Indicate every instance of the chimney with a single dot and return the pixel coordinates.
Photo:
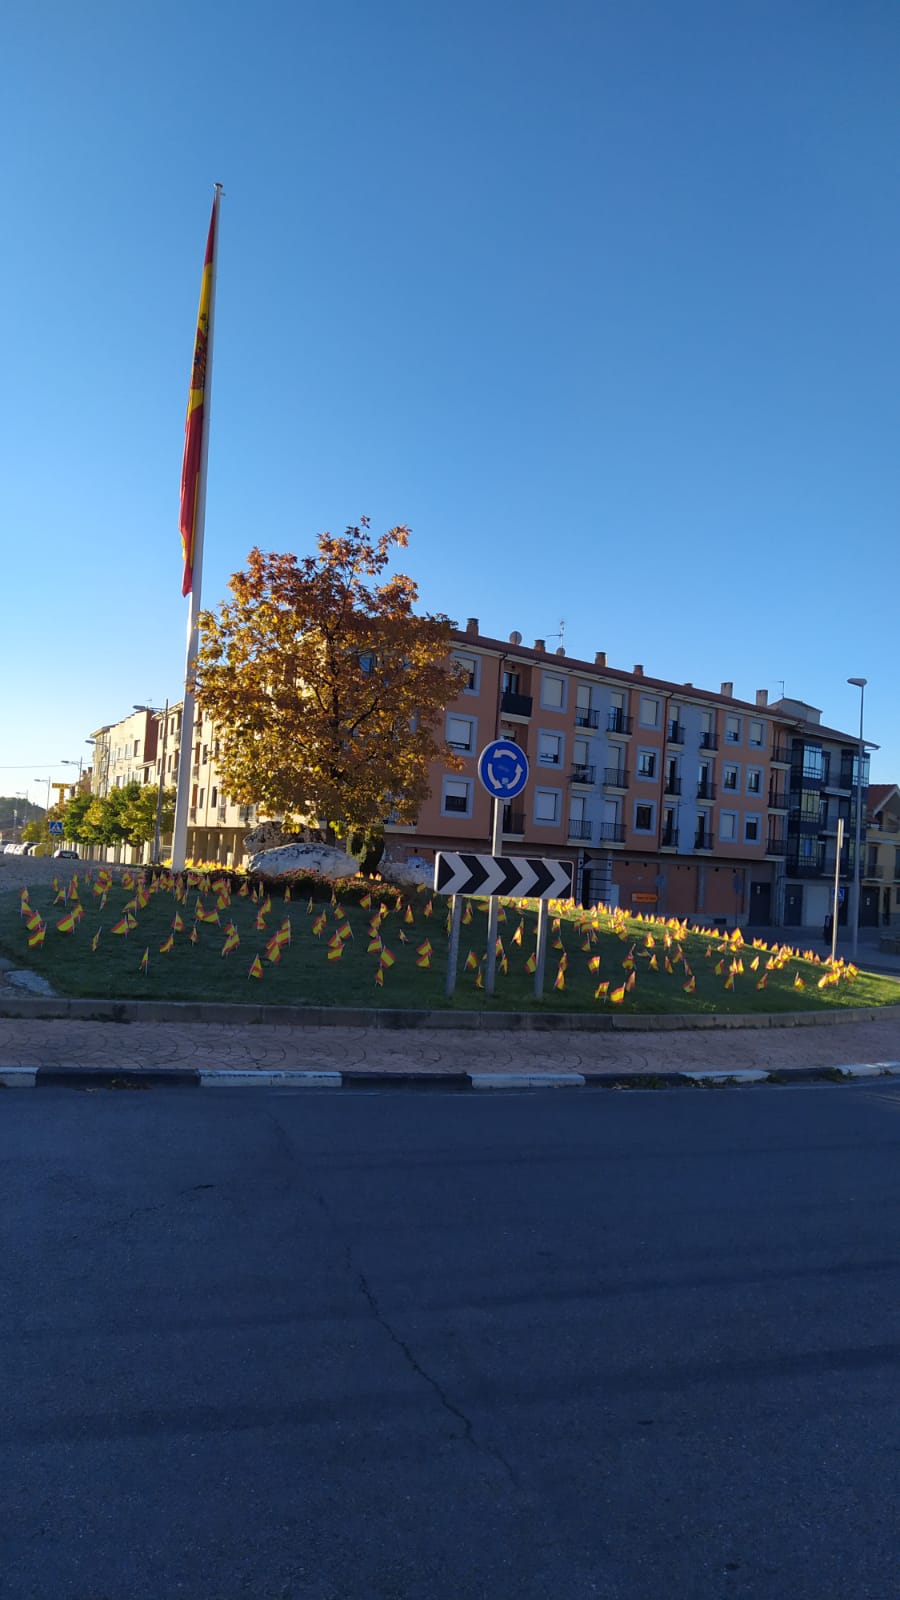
(762, 697)
(728, 691)
(600, 658)
(472, 626)
(638, 669)
(540, 644)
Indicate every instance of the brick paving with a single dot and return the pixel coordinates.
(30, 1043)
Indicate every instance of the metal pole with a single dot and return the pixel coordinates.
(494, 904)
(540, 954)
(857, 874)
(186, 749)
(159, 786)
(453, 943)
(835, 900)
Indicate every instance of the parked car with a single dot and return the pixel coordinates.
(65, 855)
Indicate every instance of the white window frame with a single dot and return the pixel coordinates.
(732, 818)
(648, 700)
(463, 659)
(553, 677)
(649, 805)
(554, 795)
(557, 738)
(646, 777)
(463, 748)
(466, 784)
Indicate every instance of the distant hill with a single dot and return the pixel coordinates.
(11, 804)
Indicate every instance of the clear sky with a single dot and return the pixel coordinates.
(601, 298)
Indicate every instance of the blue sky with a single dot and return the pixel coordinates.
(601, 299)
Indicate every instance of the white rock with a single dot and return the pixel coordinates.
(408, 874)
(299, 858)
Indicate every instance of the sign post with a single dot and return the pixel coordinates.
(503, 772)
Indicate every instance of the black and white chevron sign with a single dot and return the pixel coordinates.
(458, 872)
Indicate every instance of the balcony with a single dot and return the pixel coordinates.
(708, 741)
(579, 829)
(809, 866)
(873, 872)
(669, 840)
(675, 733)
(586, 718)
(582, 774)
(515, 705)
(673, 786)
(617, 722)
(776, 846)
(222, 813)
(781, 755)
(703, 839)
(513, 822)
(611, 833)
(778, 800)
(616, 777)
(706, 791)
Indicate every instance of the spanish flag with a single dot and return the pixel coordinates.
(197, 410)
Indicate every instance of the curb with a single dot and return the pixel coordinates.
(19, 1077)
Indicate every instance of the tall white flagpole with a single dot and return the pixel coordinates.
(186, 748)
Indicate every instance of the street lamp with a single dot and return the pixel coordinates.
(79, 764)
(860, 684)
(48, 782)
(154, 711)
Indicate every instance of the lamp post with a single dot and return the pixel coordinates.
(860, 684)
(79, 764)
(154, 711)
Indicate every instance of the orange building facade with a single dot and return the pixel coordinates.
(665, 797)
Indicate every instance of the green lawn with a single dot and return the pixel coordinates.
(304, 975)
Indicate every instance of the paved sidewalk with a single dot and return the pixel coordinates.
(162, 1046)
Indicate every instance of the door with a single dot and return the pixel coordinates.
(760, 912)
(868, 907)
(793, 905)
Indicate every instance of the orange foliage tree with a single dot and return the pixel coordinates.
(325, 686)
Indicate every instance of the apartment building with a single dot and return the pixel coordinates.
(666, 797)
(124, 752)
(881, 863)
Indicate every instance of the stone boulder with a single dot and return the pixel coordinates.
(416, 874)
(293, 860)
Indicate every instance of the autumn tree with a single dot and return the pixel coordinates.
(325, 686)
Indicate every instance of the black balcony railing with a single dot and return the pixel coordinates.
(873, 872)
(778, 800)
(615, 777)
(708, 741)
(579, 829)
(706, 791)
(586, 718)
(809, 866)
(513, 821)
(703, 839)
(780, 753)
(581, 773)
(669, 837)
(776, 846)
(617, 722)
(612, 832)
(516, 705)
(673, 785)
(675, 733)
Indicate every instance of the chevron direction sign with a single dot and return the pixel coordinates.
(458, 872)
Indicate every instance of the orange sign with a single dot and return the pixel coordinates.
(645, 899)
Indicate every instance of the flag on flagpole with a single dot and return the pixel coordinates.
(193, 426)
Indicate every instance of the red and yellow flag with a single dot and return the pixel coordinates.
(193, 426)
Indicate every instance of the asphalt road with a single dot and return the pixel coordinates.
(401, 1346)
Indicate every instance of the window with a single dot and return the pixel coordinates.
(730, 777)
(732, 730)
(553, 691)
(751, 829)
(137, 745)
(550, 749)
(213, 795)
(461, 734)
(727, 826)
(510, 682)
(896, 862)
(456, 798)
(646, 764)
(204, 757)
(754, 780)
(580, 757)
(577, 805)
(649, 712)
(202, 798)
(546, 805)
(469, 665)
(756, 733)
(644, 818)
(583, 696)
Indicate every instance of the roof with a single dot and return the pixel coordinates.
(879, 794)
